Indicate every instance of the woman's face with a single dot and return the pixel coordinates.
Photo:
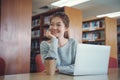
(57, 27)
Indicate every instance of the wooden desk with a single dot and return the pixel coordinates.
(113, 74)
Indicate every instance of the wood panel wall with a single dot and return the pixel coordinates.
(111, 35)
(15, 35)
(0, 14)
(75, 16)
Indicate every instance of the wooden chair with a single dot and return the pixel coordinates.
(39, 65)
(2, 67)
(113, 63)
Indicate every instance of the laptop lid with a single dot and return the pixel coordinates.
(91, 59)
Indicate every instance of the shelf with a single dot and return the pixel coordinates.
(97, 40)
(118, 43)
(118, 51)
(92, 19)
(36, 39)
(45, 38)
(118, 25)
(118, 33)
(93, 30)
(46, 25)
(36, 28)
(35, 50)
(36, 16)
(107, 28)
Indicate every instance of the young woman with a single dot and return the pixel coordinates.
(59, 47)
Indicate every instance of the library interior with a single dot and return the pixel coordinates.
(24, 25)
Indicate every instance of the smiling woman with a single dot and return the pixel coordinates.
(59, 47)
(57, 27)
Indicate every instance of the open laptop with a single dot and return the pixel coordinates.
(90, 59)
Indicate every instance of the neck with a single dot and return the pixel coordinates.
(62, 41)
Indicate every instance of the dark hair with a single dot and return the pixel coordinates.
(63, 16)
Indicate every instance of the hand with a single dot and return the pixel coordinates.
(49, 35)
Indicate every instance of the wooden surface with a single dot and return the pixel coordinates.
(15, 35)
(0, 15)
(75, 16)
(111, 35)
(112, 75)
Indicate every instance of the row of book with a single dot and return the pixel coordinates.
(93, 25)
(35, 33)
(35, 44)
(44, 31)
(92, 36)
(47, 20)
(35, 23)
(96, 43)
(32, 62)
(118, 29)
(118, 39)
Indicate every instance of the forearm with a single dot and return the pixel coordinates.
(49, 50)
(68, 68)
(53, 48)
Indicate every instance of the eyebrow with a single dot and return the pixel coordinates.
(56, 22)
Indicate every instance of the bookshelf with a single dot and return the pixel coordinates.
(35, 38)
(118, 38)
(101, 31)
(40, 24)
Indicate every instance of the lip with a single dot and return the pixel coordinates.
(54, 31)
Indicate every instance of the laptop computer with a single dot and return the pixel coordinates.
(90, 59)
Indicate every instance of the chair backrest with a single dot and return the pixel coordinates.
(39, 65)
(113, 63)
(2, 67)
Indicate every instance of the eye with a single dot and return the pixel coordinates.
(58, 24)
(51, 24)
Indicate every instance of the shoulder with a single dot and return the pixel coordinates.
(72, 42)
(44, 44)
